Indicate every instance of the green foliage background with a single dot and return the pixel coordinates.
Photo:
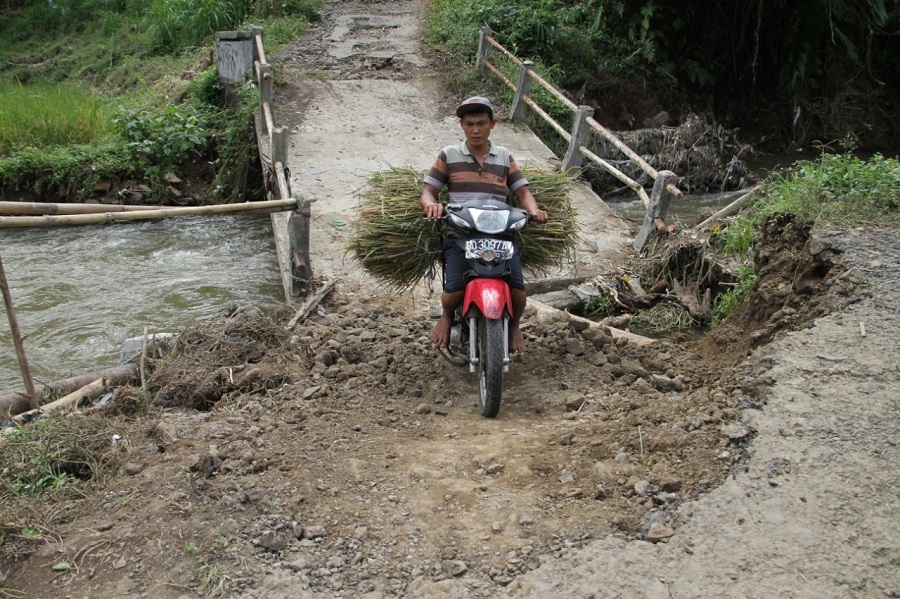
(817, 69)
(96, 90)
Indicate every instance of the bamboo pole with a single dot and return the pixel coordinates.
(12, 403)
(17, 339)
(52, 208)
(110, 217)
(89, 392)
(728, 210)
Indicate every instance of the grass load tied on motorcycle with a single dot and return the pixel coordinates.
(398, 247)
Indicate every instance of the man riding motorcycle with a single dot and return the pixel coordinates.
(476, 169)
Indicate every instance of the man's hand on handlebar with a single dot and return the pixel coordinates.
(538, 216)
(434, 211)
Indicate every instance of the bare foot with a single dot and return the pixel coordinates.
(441, 332)
(516, 340)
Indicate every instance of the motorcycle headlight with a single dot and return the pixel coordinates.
(518, 225)
(459, 222)
(490, 221)
(488, 255)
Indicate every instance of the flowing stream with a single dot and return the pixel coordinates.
(683, 212)
(79, 292)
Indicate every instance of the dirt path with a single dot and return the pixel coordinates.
(362, 95)
(345, 459)
(815, 509)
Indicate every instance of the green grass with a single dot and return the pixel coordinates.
(835, 189)
(728, 302)
(45, 115)
(145, 98)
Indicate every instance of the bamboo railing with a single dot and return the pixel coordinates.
(664, 189)
(291, 229)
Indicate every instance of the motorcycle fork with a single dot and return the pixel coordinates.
(473, 343)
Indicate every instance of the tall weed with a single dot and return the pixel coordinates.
(737, 238)
(177, 24)
(309, 10)
(728, 302)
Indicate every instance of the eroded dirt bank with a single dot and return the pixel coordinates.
(345, 459)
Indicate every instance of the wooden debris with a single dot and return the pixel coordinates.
(638, 340)
(310, 304)
(87, 393)
(16, 402)
(688, 295)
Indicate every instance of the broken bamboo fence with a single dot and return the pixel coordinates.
(664, 189)
(239, 53)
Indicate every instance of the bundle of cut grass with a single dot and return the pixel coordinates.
(397, 246)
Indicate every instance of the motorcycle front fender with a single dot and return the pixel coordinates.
(491, 296)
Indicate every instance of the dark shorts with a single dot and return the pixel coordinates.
(456, 265)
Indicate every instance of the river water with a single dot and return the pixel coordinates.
(79, 292)
(683, 212)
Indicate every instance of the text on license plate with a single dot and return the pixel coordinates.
(503, 249)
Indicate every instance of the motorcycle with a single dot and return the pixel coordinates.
(479, 335)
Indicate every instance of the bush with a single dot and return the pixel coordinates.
(736, 239)
(580, 40)
(160, 142)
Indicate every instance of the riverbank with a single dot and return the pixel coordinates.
(344, 458)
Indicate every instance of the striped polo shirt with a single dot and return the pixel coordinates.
(465, 179)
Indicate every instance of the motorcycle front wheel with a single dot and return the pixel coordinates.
(490, 365)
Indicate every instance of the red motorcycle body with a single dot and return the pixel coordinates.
(492, 297)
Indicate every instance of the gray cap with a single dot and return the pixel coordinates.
(475, 104)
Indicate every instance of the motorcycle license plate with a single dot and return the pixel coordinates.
(503, 249)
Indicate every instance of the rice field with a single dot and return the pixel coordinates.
(46, 115)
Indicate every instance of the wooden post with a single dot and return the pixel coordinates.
(266, 92)
(484, 47)
(301, 263)
(660, 199)
(580, 132)
(280, 139)
(257, 32)
(17, 340)
(523, 89)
